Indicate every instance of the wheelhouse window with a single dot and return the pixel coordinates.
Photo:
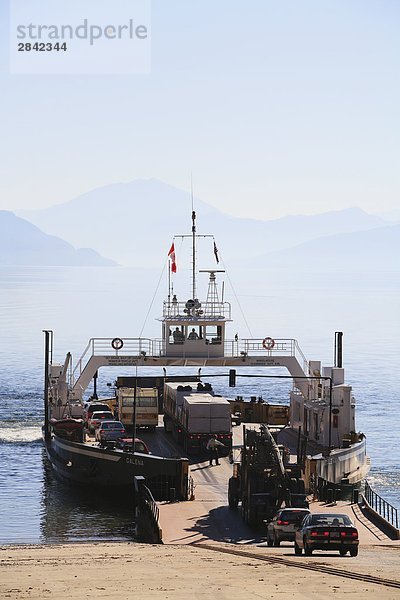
(176, 335)
(213, 334)
(194, 333)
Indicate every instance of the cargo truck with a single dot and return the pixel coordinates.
(146, 407)
(193, 413)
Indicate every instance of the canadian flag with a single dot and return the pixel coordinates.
(171, 256)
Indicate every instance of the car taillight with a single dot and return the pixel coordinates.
(352, 534)
(317, 533)
(279, 522)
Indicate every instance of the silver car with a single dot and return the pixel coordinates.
(283, 526)
(110, 431)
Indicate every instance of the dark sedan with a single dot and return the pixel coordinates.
(325, 531)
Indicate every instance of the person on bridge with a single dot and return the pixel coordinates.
(212, 447)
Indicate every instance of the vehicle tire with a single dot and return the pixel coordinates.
(233, 499)
(277, 541)
(354, 551)
(249, 515)
(301, 488)
(233, 502)
(343, 551)
(244, 510)
(297, 550)
(307, 549)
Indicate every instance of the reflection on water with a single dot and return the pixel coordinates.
(36, 507)
(69, 513)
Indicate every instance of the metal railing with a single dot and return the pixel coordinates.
(383, 508)
(103, 347)
(157, 347)
(148, 500)
(207, 310)
(281, 347)
(146, 512)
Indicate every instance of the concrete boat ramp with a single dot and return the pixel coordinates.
(208, 519)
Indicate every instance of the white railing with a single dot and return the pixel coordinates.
(103, 347)
(255, 347)
(156, 347)
(207, 310)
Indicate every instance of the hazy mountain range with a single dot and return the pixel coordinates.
(22, 243)
(376, 249)
(134, 223)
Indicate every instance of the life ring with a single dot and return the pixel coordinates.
(117, 343)
(268, 343)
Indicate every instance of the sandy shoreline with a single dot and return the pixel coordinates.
(123, 570)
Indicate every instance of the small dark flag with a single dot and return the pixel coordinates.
(216, 252)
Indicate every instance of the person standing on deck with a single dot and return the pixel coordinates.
(212, 447)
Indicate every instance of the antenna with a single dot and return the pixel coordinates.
(193, 240)
(194, 255)
(191, 190)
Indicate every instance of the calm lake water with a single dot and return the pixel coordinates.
(80, 303)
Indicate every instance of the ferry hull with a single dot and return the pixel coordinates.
(344, 466)
(92, 466)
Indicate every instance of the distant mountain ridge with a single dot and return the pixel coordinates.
(377, 249)
(390, 215)
(22, 243)
(134, 223)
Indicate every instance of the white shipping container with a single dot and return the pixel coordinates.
(220, 425)
(198, 425)
(221, 409)
(197, 407)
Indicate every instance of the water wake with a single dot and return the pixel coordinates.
(22, 434)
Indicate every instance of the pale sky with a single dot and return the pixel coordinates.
(276, 107)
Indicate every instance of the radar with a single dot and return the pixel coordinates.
(190, 304)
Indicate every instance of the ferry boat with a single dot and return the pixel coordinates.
(194, 335)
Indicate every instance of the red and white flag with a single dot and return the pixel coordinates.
(171, 256)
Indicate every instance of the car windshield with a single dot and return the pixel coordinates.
(330, 520)
(293, 516)
(98, 407)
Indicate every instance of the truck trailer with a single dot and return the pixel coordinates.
(193, 413)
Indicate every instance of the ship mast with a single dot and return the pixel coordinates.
(194, 254)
